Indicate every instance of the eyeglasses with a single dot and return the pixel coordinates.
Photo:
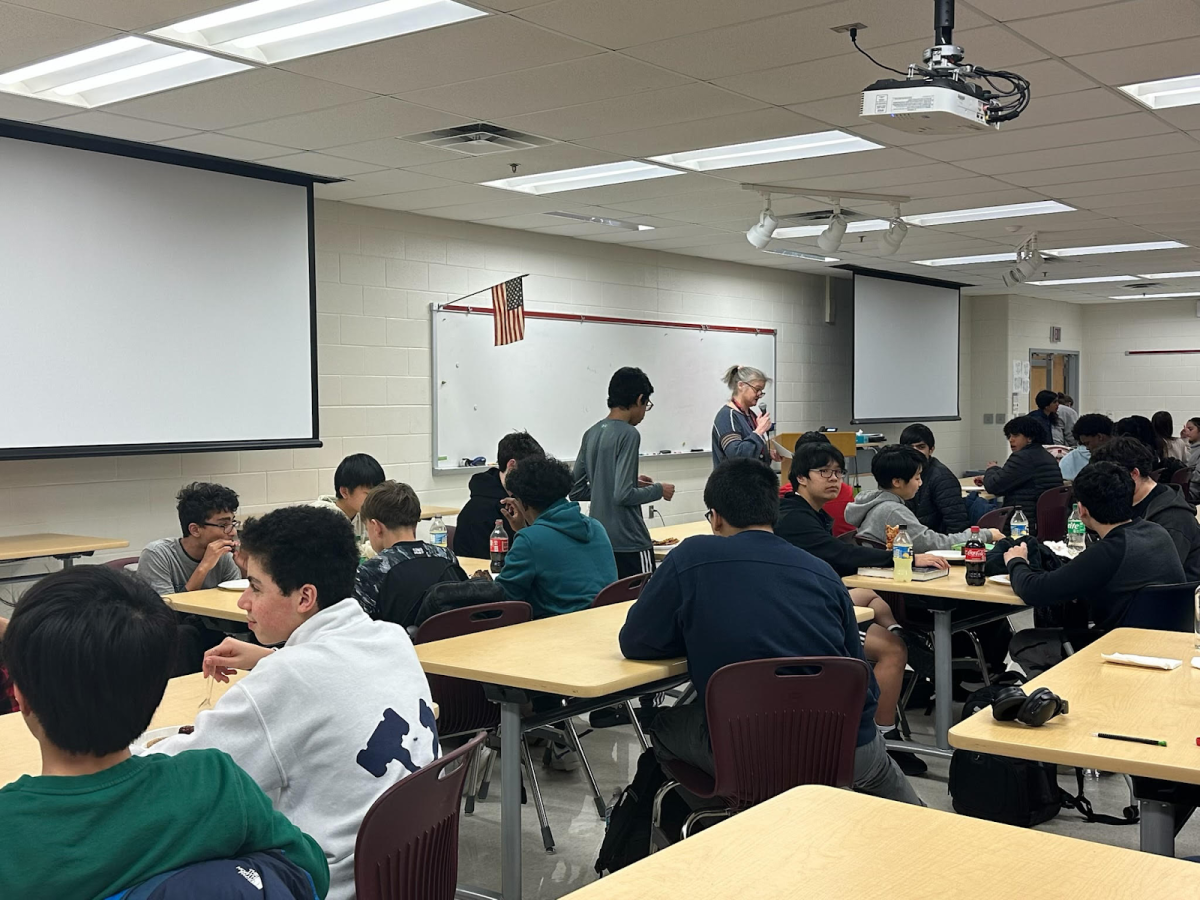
(829, 474)
(649, 405)
(758, 390)
(227, 527)
(708, 516)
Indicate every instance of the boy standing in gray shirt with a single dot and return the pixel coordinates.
(606, 473)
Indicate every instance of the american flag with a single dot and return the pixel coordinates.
(508, 305)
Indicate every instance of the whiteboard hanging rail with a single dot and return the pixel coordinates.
(577, 317)
(1157, 352)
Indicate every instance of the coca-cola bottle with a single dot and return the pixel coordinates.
(498, 546)
(976, 557)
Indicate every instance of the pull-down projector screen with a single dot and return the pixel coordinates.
(905, 350)
(151, 300)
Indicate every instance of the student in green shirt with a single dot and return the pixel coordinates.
(89, 650)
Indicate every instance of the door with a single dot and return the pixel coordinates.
(1053, 371)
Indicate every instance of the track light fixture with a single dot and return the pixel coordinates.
(831, 238)
(759, 234)
(890, 240)
(1029, 261)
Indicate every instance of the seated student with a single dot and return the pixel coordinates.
(203, 557)
(1028, 473)
(897, 471)
(816, 473)
(1162, 504)
(939, 503)
(352, 481)
(1191, 440)
(1172, 445)
(698, 605)
(560, 559)
(1091, 431)
(477, 519)
(1068, 415)
(336, 715)
(390, 585)
(90, 650)
(1131, 554)
(835, 508)
(1047, 416)
(1141, 428)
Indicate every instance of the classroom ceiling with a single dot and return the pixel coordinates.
(609, 80)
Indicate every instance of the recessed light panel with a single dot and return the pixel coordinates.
(1159, 275)
(811, 230)
(756, 153)
(812, 257)
(601, 220)
(271, 31)
(1062, 252)
(1168, 92)
(1099, 279)
(1155, 296)
(985, 213)
(585, 177)
(116, 70)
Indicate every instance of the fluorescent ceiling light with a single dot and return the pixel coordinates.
(585, 177)
(601, 220)
(852, 227)
(796, 254)
(1064, 251)
(1172, 275)
(117, 70)
(1166, 93)
(755, 153)
(1099, 279)
(1155, 296)
(984, 213)
(271, 31)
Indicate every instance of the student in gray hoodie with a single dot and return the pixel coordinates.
(897, 471)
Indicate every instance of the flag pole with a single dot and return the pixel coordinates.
(450, 305)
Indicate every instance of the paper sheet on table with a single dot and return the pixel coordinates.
(1145, 662)
(781, 450)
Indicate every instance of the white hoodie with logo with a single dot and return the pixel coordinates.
(327, 724)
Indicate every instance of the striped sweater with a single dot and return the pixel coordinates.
(733, 436)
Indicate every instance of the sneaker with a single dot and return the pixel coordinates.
(909, 763)
(609, 718)
(563, 758)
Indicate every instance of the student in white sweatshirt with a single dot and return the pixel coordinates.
(336, 715)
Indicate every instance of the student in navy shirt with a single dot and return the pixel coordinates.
(745, 594)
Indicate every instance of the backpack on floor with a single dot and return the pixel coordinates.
(627, 836)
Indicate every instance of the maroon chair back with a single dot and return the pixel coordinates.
(121, 564)
(1055, 506)
(776, 724)
(1157, 475)
(463, 706)
(621, 590)
(450, 529)
(997, 518)
(1182, 477)
(407, 847)
(848, 536)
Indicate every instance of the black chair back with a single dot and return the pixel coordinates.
(1163, 607)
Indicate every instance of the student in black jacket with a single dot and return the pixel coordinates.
(1131, 554)
(1162, 504)
(939, 503)
(1028, 473)
(478, 517)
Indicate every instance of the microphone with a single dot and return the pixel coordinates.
(762, 408)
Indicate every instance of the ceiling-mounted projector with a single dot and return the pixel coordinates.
(943, 96)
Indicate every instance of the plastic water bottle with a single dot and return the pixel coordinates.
(438, 533)
(976, 557)
(1019, 526)
(902, 556)
(1076, 530)
(498, 547)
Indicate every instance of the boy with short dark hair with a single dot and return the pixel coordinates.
(90, 650)
(1091, 431)
(477, 519)
(606, 473)
(939, 503)
(339, 713)
(352, 481)
(390, 585)
(698, 605)
(1028, 472)
(203, 557)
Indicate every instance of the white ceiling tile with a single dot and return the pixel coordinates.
(1128, 24)
(1096, 103)
(239, 99)
(636, 190)
(223, 145)
(758, 125)
(96, 122)
(377, 184)
(624, 23)
(27, 35)
(568, 83)
(1169, 59)
(1185, 117)
(1083, 192)
(1034, 160)
(460, 52)
(1052, 179)
(682, 104)
(321, 164)
(393, 153)
(455, 195)
(507, 5)
(481, 212)
(494, 166)
(1071, 134)
(365, 120)
(805, 170)
(126, 15)
(1009, 10)
(26, 109)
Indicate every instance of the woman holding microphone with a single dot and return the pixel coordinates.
(740, 429)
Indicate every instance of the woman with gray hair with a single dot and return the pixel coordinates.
(740, 429)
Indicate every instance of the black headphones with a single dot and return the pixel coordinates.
(1011, 704)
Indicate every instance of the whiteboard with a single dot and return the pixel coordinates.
(554, 384)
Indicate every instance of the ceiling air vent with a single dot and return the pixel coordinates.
(1143, 285)
(478, 139)
(822, 216)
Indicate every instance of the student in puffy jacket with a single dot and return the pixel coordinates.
(939, 503)
(1028, 473)
(740, 430)
(477, 519)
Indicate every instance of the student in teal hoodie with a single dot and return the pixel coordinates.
(560, 559)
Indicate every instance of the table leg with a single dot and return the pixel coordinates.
(68, 561)
(943, 676)
(510, 800)
(1157, 827)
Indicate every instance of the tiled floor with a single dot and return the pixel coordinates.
(613, 752)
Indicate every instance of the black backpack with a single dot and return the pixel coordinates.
(627, 835)
(1014, 791)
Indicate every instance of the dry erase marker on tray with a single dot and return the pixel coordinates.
(1133, 740)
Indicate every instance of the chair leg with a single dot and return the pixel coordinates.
(699, 816)
(472, 779)
(637, 726)
(983, 666)
(538, 804)
(656, 813)
(487, 776)
(573, 737)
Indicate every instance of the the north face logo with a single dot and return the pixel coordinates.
(251, 876)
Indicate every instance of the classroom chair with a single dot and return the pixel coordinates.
(850, 537)
(1181, 478)
(621, 591)
(775, 724)
(997, 518)
(1053, 510)
(1157, 475)
(123, 563)
(407, 847)
(1163, 607)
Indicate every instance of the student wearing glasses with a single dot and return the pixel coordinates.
(740, 430)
